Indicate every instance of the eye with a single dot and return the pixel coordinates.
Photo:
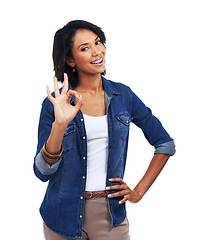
(84, 49)
(98, 42)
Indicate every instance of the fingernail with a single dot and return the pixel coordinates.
(107, 188)
(110, 179)
(120, 202)
(109, 195)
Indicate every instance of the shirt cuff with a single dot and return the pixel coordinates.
(44, 167)
(166, 148)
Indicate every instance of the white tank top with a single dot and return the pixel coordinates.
(97, 152)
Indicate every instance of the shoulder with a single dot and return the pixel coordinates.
(117, 86)
(124, 91)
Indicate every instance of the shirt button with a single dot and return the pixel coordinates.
(84, 158)
(84, 137)
(81, 197)
(80, 216)
(82, 119)
(83, 177)
(127, 121)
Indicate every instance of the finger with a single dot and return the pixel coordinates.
(72, 92)
(117, 194)
(79, 103)
(78, 98)
(123, 200)
(119, 187)
(65, 87)
(56, 88)
(49, 94)
(117, 180)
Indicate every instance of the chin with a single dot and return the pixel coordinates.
(101, 70)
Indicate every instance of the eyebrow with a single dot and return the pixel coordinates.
(88, 43)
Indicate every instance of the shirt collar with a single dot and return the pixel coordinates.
(109, 87)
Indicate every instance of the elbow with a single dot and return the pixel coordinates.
(39, 175)
(167, 148)
(43, 170)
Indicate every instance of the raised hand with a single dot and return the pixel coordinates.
(64, 111)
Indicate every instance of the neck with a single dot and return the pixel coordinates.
(91, 83)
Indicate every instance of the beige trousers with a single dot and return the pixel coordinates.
(96, 223)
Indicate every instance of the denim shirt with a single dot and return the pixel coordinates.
(63, 206)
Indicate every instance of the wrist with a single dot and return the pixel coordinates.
(139, 192)
(54, 142)
(51, 158)
(59, 127)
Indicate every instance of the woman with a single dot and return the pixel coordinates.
(83, 140)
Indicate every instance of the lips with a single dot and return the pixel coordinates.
(98, 61)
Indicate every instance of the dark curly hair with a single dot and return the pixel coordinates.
(62, 48)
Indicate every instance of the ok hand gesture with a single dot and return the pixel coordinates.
(64, 111)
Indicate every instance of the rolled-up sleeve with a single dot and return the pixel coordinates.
(166, 148)
(43, 167)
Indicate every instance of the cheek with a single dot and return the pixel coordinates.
(82, 59)
(102, 49)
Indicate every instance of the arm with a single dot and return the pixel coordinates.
(158, 137)
(64, 113)
(156, 165)
(54, 120)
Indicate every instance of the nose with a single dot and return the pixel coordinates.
(95, 51)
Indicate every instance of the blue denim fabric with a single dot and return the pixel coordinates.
(63, 204)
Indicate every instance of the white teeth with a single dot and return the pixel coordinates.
(98, 61)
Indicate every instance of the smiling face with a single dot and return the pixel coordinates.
(88, 53)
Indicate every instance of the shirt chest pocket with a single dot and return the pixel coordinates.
(123, 121)
(69, 137)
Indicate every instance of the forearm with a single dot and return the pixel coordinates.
(48, 159)
(156, 165)
(54, 142)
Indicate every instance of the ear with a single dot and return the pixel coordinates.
(70, 62)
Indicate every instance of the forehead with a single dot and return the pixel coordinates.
(84, 36)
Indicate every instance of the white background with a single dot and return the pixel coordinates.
(151, 46)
